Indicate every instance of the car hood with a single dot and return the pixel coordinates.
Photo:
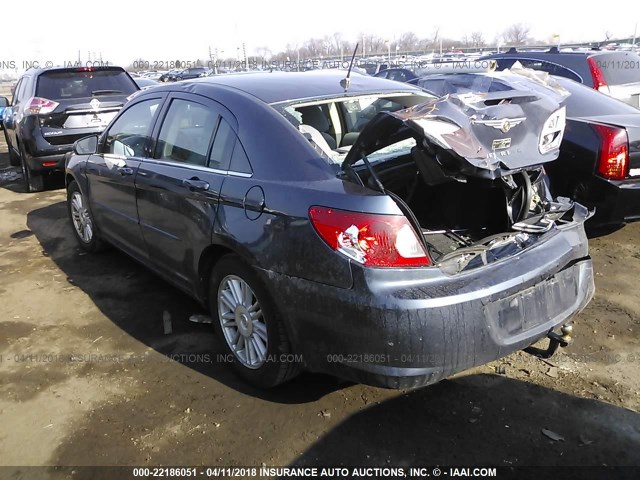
(496, 128)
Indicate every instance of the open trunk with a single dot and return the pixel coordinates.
(467, 170)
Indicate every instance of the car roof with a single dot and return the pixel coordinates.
(277, 87)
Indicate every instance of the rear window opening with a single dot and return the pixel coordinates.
(72, 84)
(333, 127)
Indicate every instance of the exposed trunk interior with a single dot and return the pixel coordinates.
(456, 212)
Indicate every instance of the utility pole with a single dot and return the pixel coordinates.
(244, 55)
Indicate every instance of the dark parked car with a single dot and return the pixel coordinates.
(4, 103)
(167, 76)
(599, 162)
(614, 73)
(54, 107)
(145, 83)
(376, 232)
(397, 74)
(187, 74)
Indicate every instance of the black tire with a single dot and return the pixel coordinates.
(33, 182)
(280, 364)
(14, 158)
(94, 243)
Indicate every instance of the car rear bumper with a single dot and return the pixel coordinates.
(615, 201)
(412, 327)
(44, 156)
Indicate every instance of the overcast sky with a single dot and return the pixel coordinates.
(123, 30)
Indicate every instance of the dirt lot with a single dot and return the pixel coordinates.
(89, 377)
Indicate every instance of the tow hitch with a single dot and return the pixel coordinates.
(555, 341)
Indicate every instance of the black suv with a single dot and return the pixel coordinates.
(614, 73)
(53, 107)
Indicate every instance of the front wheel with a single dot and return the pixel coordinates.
(246, 320)
(82, 221)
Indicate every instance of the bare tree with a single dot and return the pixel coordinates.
(314, 47)
(337, 42)
(263, 52)
(477, 40)
(516, 34)
(408, 42)
(435, 37)
(374, 44)
(607, 36)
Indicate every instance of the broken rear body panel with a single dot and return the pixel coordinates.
(402, 328)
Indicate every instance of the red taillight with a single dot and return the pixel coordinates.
(39, 106)
(613, 161)
(49, 164)
(599, 83)
(370, 239)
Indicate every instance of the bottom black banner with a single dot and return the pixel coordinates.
(333, 472)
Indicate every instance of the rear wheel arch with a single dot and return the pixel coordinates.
(68, 178)
(208, 259)
(211, 255)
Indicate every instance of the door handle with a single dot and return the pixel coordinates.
(195, 184)
(125, 171)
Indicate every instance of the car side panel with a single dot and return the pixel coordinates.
(176, 221)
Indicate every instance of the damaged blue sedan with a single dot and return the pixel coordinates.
(353, 226)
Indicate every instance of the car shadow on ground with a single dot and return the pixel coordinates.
(138, 301)
(469, 420)
(483, 420)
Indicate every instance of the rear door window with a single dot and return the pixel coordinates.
(222, 146)
(186, 133)
(70, 84)
(240, 161)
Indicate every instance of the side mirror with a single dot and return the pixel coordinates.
(4, 102)
(86, 146)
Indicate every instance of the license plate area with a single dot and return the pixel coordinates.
(88, 120)
(535, 305)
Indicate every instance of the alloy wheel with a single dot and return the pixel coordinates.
(81, 218)
(242, 321)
